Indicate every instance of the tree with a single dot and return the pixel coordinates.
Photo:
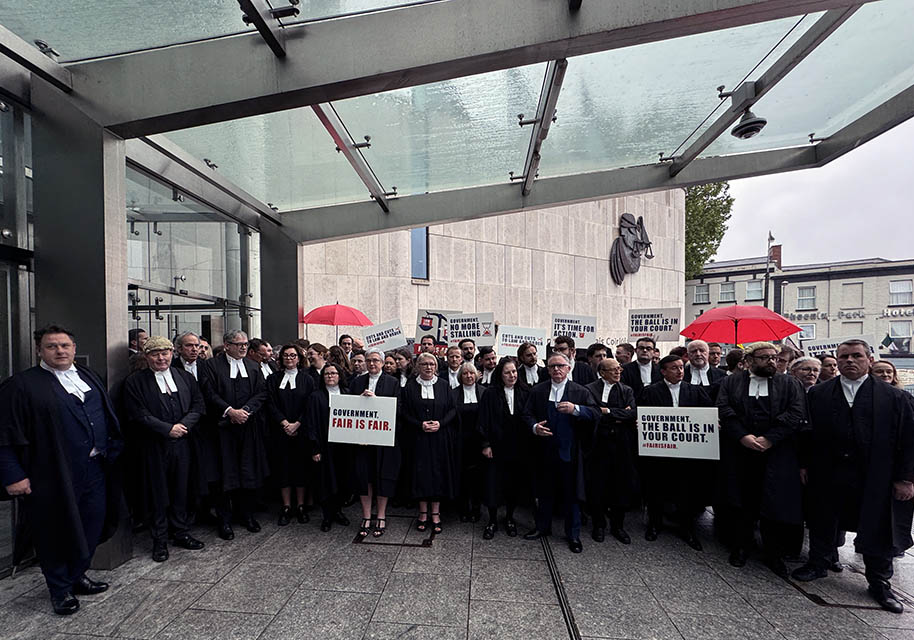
(707, 209)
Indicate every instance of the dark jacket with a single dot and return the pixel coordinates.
(612, 463)
(631, 376)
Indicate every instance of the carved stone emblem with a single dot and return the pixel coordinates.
(627, 250)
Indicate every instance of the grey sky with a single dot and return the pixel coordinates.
(859, 206)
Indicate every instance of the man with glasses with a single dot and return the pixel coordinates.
(761, 414)
(562, 414)
(806, 370)
(642, 371)
(235, 391)
(583, 375)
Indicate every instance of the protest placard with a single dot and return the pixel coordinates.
(690, 432)
(478, 326)
(582, 328)
(510, 338)
(385, 336)
(433, 322)
(830, 345)
(362, 420)
(660, 324)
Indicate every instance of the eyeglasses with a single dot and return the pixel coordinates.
(556, 366)
(373, 360)
(290, 356)
(807, 370)
(239, 344)
(771, 358)
(428, 364)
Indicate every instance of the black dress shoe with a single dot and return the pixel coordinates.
(159, 551)
(808, 573)
(341, 519)
(598, 534)
(886, 599)
(650, 534)
(777, 567)
(737, 558)
(251, 524)
(225, 532)
(285, 516)
(301, 513)
(575, 546)
(489, 532)
(692, 540)
(186, 541)
(66, 605)
(836, 567)
(325, 525)
(621, 535)
(86, 587)
(534, 534)
(510, 527)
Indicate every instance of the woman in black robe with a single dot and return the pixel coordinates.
(429, 415)
(404, 361)
(332, 459)
(466, 400)
(288, 391)
(501, 432)
(317, 357)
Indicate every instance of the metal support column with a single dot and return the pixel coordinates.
(279, 285)
(545, 112)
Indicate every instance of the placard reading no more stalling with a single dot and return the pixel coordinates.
(690, 432)
(362, 420)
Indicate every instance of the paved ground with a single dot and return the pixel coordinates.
(296, 582)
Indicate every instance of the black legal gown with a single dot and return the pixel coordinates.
(333, 474)
(470, 442)
(371, 464)
(436, 472)
(290, 456)
(503, 474)
(611, 465)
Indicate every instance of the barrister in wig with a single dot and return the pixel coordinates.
(466, 400)
(164, 405)
(235, 394)
(376, 468)
(502, 432)
(288, 391)
(429, 414)
(333, 460)
(612, 462)
(687, 484)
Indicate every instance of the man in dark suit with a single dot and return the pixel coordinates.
(580, 373)
(699, 371)
(529, 373)
(683, 482)
(187, 353)
(858, 455)
(58, 436)
(164, 404)
(641, 371)
(761, 414)
(715, 355)
(260, 352)
(452, 362)
(611, 465)
(135, 340)
(468, 349)
(562, 414)
(235, 390)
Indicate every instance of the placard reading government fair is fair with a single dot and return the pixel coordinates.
(362, 420)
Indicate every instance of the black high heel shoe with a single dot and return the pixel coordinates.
(422, 524)
(380, 528)
(436, 526)
(365, 528)
(302, 514)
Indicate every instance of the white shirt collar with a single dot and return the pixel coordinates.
(190, 367)
(69, 380)
(165, 381)
(674, 391)
(236, 367)
(532, 374)
(288, 379)
(427, 387)
(700, 376)
(850, 387)
(557, 390)
(646, 371)
(487, 375)
(452, 378)
(373, 382)
(265, 370)
(469, 394)
(607, 389)
(758, 386)
(509, 396)
(333, 391)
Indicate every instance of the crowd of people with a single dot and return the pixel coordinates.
(201, 435)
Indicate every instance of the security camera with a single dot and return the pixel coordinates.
(750, 125)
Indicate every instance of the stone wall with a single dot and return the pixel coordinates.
(522, 266)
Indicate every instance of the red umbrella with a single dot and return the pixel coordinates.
(337, 315)
(740, 324)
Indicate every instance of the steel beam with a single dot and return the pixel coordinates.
(258, 12)
(545, 111)
(226, 78)
(749, 93)
(347, 146)
(22, 53)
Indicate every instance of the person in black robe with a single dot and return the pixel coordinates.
(611, 465)
(700, 372)
(333, 459)
(641, 371)
(502, 432)
(466, 399)
(288, 391)
(487, 363)
(376, 468)
(581, 372)
(858, 456)
(529, 372)
(235, 394)
(429, 414)
(164, 405)
(405, 370)
(562, 414)
(761, 414)
(685, 483)
(59, 438)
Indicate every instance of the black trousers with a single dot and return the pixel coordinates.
(239, 502)
(176, 465)
(822, 536)
(90, 499)
(553, 472)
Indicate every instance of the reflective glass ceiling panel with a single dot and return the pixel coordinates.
(284, 158)
(623, 107)
(866, 61)
(446, 135)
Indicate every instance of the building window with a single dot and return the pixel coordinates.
(807, 331)
(901, 292)
(852, 295)
(418, 252)
(899, 336)
(754, 290)
(806, 298)
(727, 292)
(702, 294)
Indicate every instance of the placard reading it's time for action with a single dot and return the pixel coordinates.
(678, 433)
(362, 420)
